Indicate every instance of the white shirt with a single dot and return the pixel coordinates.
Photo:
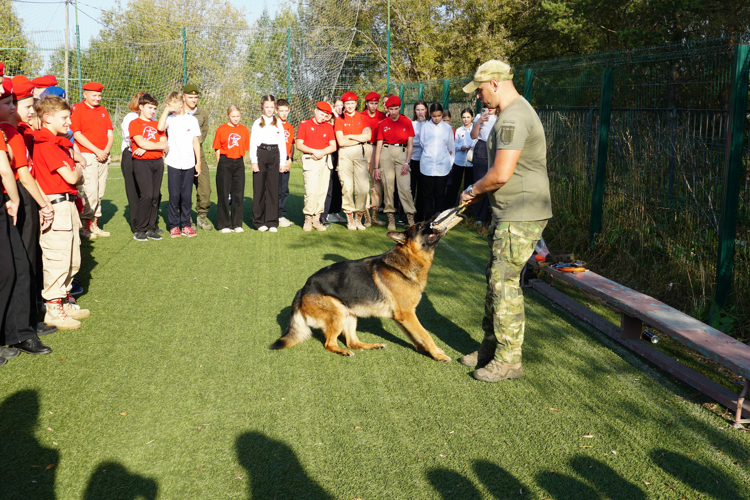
(463, 138)
(486, 127)
(267, 135)
(126, 129)
(437, 149)
(416, 152)
(181, 130)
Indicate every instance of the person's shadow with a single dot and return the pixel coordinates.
(112, 481)
(27, 469)
(274, 470)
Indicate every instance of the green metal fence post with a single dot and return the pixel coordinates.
(388, 66)
(730, 185)
(446, 94)
(421, 91)
(289, 64)
(184, 56)
(528, 84)
(401, 96)
(600, 170)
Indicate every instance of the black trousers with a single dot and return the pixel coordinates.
(230, 180)
(148, 175)
(432, 194)
(131, 188)
(416, 177)
(333, 197)
(461, 177)
(266, 189)
(180, 185)
(28, 227)
(480, 161)
(283, 192)
(15, 282)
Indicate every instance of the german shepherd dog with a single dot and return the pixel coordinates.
(385, 286)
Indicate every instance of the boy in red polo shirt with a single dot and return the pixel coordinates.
(352, 133)
(395, 137)
(148, 145)
(282, 111)
(315, 138)
(92, 128)
(58, 176)
(375, 116)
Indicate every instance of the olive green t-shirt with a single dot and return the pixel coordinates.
(526, 196)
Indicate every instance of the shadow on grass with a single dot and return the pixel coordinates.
(452, 485)
(605, 479)
(563, 487)
(274, 470)
(708, 480)
(112, 481)
(498, 481)
(27, 469)
(443, 328)
(109, 210)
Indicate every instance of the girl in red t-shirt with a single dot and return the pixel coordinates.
(231, 142)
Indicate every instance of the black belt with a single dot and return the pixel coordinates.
(62, 197)
(395, 145)
(268, 146)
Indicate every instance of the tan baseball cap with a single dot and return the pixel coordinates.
(491, 70)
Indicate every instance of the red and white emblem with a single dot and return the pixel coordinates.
(234, 140)
(149, 133)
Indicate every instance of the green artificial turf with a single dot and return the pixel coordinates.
(170, 391)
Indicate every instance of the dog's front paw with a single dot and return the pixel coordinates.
(441, 356)
(347, 353)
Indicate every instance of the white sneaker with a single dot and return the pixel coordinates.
(239, 230)
(226, 230)
(273, 230)
(284, 222)
(263, 228)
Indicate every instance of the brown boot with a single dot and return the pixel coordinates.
(374, 218)
(410, 220)
(368, 221)
(391, 222)
(350, 225)
(480, 357)
(86, 230)
(95, 229)
(56, 316)
(317, 225)
(308, 223)
(358, 222)
(497, 370)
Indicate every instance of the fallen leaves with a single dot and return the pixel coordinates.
(357, 427)
(553, 409)
(124, 413)
(443, 456)
(50, 466)
(646, 483)
(613, 452)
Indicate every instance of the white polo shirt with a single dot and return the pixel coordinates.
(437, 149)
(181, 130)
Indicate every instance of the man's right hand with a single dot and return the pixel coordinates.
(376, 174)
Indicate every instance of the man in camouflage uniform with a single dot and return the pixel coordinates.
(518, 189)
(190, 94)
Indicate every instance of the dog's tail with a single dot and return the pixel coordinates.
(298, 330)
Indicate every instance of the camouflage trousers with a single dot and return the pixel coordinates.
(511, 246)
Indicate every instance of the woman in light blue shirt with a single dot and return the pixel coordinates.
(436, 138)
(462, 174)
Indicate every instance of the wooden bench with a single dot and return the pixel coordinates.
(637, 308)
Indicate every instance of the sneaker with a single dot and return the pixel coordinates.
(263, 228)
(226, 230)
(273, 230)
(140, 236)
(153, 235)
(497, 370)
(75, 288)
(189, 232)
(159, 230)
(284, 222)
(326, 223)
(239, 230)
(175, 232)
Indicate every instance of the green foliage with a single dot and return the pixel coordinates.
(12, 38)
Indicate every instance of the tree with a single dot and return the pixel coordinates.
(12, 38)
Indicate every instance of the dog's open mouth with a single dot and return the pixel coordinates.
(437, 236)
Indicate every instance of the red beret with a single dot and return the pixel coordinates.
(392, 101)
(94, 86)
(22, 87)
(7, 88)
(372, 96)
(2, 69)
(44, 81)
(324, 106)
(349, 96)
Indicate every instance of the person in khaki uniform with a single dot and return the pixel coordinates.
(202, 182)
(375, 116)
(92, 129)
(58, 177)
(352, 133)
(395, 140)
(518, 190)
(316, 140)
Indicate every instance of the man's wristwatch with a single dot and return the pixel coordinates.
(468, 191)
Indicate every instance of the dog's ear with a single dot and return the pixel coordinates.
(397, 236)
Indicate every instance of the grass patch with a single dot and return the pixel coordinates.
(170, 391)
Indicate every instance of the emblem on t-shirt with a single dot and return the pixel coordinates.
(149, 133)
(234, 140)
(506, 134)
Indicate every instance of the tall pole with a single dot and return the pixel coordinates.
(66, 71)
(184, 56)
(78, 51)
(388, 70)
(289, 64)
